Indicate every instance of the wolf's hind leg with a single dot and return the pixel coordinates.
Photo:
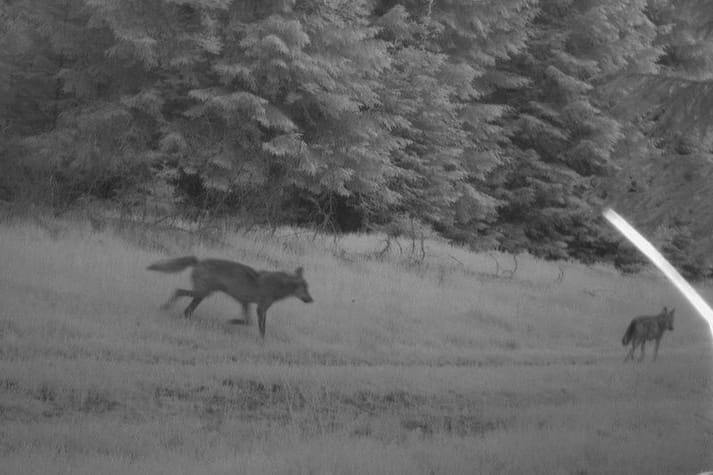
(246, 320)
(175, 296)
(192, 306)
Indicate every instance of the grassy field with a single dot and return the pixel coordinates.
(398, 368)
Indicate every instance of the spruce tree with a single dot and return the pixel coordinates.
(668, 190)
(563, 139)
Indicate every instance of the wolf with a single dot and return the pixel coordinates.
(647, 327)
(243, 283)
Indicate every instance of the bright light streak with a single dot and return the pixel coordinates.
(659, 261)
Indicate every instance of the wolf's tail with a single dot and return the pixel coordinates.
(174, 265)
(628, 334)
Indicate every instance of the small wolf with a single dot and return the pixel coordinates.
(243, 283)
(647, 327)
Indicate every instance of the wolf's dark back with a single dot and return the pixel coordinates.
(235, 279)
(229, 267)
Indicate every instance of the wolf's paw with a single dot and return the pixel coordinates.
(239, 321)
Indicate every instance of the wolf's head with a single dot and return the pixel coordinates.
(666, 316)
(301, 290)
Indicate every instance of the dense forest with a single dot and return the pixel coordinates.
(501, 124)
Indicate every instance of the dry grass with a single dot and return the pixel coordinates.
(436, 367)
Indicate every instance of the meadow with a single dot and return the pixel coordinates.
(444, 365)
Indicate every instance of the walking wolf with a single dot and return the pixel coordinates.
(647, 327)
(243, 283)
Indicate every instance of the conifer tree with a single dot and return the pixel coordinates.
(497, 120)
(563, 138)
(49, 58)
(670, 191)
(444, 53)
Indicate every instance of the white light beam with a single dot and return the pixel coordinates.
(659, 261)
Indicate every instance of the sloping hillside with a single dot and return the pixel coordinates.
(397, 367)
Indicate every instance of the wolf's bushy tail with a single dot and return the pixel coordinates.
(174, 265)
(628, 334)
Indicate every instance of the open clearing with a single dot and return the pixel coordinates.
(437, 367)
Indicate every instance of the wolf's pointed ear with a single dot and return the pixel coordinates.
(299, 271)
(665, 310)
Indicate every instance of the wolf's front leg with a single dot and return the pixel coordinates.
(656, 348)
(630, 354)
(246, 313)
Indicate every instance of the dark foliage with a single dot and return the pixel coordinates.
(503, 125)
